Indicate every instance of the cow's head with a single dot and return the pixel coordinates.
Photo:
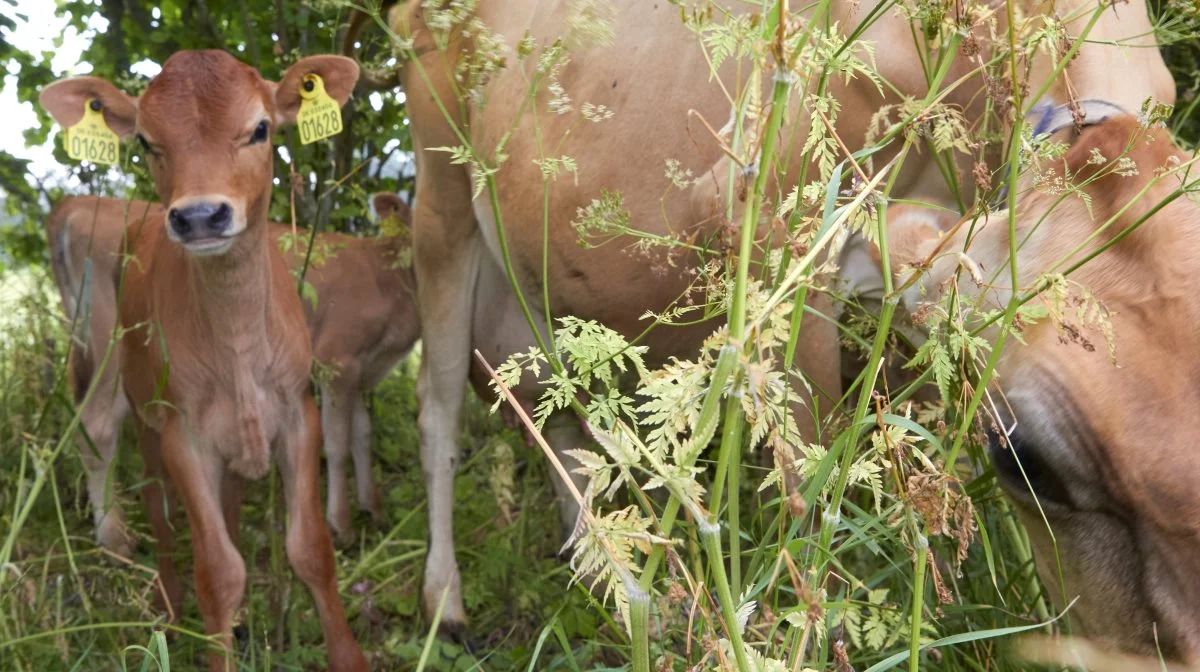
(205, 124)
(1106, 448)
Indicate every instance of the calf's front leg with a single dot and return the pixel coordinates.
(309, 546)
(220, 573)
(364, 479)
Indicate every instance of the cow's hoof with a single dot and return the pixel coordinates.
(241, 635)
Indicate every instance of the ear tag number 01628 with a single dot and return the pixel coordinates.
(91, 139)
(320, 116)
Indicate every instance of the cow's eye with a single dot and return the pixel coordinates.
(1021, 468)
(260, 132)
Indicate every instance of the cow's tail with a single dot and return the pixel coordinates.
(58, 239)
(358, 18)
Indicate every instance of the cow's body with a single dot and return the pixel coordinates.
(652, 77)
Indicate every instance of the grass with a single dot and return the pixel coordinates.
(65, 605)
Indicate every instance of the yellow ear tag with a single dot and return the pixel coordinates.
(320, 116)
(91, 139)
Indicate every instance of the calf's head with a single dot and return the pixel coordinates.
(1106, 445)
(385, 205)
(205, 124)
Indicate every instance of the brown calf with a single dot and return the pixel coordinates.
(216, 360)
(364, 323)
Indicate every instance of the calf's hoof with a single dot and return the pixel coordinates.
(345, 655)
(340, 529)
(113, 536)
(456, 632)
(168, 600)
(380, 520)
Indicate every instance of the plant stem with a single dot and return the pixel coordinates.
(710, 536)
(639, 626)
(914, 633)
(728, 465)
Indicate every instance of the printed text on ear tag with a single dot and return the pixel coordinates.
(320, 116)
(91, 139)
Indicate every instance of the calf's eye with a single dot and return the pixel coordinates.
(260, 132)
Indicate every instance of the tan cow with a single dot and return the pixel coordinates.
(363, 324)
(216, 359)
(655, 79)
(1104, 449)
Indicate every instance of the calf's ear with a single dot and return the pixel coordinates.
(64, 100)
(338, 73)
(386, 205)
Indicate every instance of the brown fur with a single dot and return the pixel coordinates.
(215, 359)
(364, 323)
(1118, 438)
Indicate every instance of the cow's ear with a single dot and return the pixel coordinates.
(64, 100)
(338, 74)
(913, 233)
(386, 205)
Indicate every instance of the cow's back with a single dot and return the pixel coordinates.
(85, 236)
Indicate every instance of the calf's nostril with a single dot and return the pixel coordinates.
(179, 222)
(220, 220)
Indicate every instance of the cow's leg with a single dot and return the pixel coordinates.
(818, 355)
(563, 431)
(309, 546)
(447, 261)
(101, 419)
(154, 498)
(364, 478)
(220, 573)
(337, 420)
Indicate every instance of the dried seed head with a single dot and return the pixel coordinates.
(676, 594)
(970, 46)
(796, 505)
